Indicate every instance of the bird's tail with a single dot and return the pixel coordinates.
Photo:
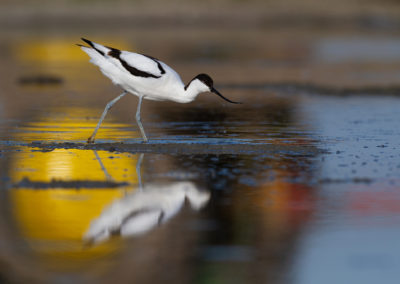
(101, 49)
(95, 51)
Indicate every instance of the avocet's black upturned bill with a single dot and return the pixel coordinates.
(145, 77)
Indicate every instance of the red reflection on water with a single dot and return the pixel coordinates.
(374, 202)
(288, 204)
(300, 203)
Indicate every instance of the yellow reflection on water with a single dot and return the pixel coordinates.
(72, 165)
(73, 124)
(54, 220)
(59, 50)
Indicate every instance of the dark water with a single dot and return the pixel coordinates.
(328, 214)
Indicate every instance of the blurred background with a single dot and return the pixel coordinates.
(321, 76)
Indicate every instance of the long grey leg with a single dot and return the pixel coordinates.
(138, 119)
(108, 106)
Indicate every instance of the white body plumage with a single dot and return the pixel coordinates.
(168, 85)
(145, 77)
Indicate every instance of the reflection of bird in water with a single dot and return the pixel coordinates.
(145, 77)
(139, 212)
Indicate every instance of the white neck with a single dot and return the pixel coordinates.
(194, 88)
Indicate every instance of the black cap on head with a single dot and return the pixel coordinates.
(210, 83)
(205, 79)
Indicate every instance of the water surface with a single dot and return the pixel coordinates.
(319, 205)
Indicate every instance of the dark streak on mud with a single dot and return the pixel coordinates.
(40, 80)
(364, 180)
(72, 184)
(186, 148)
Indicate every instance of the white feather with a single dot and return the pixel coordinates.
(108, 68)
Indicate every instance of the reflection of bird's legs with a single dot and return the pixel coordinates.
(138, 170)
(107, 108)
(108, 177)
(139, 120)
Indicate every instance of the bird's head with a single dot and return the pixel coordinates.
(204, 83)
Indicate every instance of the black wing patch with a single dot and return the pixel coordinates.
(156, 61)
(116, 53)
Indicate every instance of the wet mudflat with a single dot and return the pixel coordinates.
(299, 184)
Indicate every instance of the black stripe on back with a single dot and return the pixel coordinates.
(116, 53)
(156, 61)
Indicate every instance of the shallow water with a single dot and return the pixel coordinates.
(274, 216)
(318, 204)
